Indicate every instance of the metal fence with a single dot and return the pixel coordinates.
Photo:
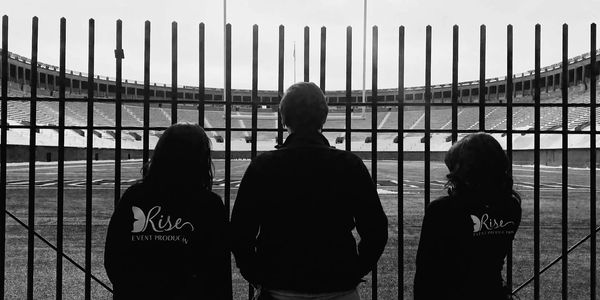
(400, 104)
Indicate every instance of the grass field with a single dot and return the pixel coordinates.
(388, 270)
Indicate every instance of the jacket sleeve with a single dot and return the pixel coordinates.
(245, 224)
(371, 221)
(218, 252)
(426, 263)
(116, 248)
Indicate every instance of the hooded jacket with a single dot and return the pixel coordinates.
(294, 214)
(167, 245)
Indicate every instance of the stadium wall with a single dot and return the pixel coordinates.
(549, 157)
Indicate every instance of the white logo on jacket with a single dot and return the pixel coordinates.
(158, 222)
(487, 224)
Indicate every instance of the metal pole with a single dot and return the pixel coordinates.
(224, 48)
(364, 62)
(32, 149)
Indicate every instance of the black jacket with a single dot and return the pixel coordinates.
(294, 214)
(463, 246)
(167, 245)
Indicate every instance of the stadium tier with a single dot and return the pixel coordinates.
(387, 117)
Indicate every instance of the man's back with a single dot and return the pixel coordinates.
(294, 215)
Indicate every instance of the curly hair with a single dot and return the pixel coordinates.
(478, 165)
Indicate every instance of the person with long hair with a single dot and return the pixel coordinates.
(467, 234)
(167, 236)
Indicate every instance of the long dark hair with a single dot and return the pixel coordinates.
(479, 166)
(181, 159)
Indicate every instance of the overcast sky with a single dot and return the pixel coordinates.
(388, 15)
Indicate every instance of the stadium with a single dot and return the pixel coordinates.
(73, 141)
(214, 115)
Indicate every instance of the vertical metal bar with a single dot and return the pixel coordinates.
(173, 72)
(454, 83)
(118, 109)
(306, 53)
(201, 74)
(254, 107)
(536, 171)
(280, 83)
(32, 149)
(400, 162)
(374, 78)
(565, 157)
(323, 57)
(427, 153)
(254, 90)
(61, 162)
(227, 196)
(593, 71)
(508, 92)
(146, 131)
(348, 133)
(88, 166)
(3, 129)
(482, 78)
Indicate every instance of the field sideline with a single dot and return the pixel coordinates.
(103, 175)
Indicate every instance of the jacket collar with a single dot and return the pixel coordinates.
(314, 139)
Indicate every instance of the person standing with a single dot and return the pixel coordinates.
(167, 238)
(297, 206)
(466, 235)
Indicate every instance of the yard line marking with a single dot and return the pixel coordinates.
(384, 120)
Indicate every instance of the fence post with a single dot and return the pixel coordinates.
(174, 92)
(348, 132)
(482, 89)
(32, 149)
(201, 75)
(536, 170)
(400, 137)
(89, 167)
(306, 53)
(3, 131)
(593, 132)
(427, 137)
(146, 130)
(565, 158)
(508, 93)
(374, 79)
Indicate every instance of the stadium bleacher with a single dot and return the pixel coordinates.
(387, 117)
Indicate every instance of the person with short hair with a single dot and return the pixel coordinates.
(297, 206)
(167, 238)
(466, 235)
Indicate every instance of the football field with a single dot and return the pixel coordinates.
(413, 207)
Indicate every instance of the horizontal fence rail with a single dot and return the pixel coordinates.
(347, 102)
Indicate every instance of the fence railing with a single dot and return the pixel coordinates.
(400, 105)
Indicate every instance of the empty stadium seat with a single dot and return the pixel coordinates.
(135, 135)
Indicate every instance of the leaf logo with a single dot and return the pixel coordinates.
(476, 223)
(140, 220)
